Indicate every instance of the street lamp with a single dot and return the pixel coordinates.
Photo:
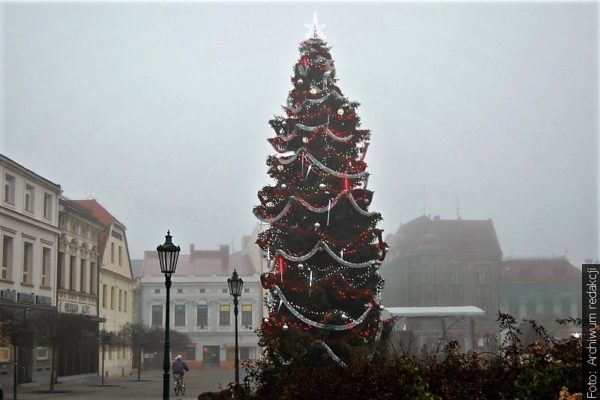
(168, 254)
(235, 289)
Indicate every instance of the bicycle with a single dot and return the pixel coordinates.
(179, 386)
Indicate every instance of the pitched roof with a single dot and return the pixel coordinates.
(201, 263)
(539, 271)
(425, 235)
(101, 215)
(99, 212)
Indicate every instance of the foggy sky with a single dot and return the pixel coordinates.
(159, 111)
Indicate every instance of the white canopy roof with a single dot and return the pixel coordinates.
(433, 311)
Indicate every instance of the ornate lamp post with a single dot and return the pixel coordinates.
(235, 289)
(168, 254)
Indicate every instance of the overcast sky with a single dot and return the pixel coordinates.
(160, 111)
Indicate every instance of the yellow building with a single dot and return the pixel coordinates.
(115, 286)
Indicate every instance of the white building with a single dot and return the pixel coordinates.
(201, 306)
(29, 244)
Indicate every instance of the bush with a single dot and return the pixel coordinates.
(547, 369)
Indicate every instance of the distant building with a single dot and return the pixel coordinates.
(77, 285)
(542, 289)
(434, 262)
(115, 285)
(29, 235)
(201, 306)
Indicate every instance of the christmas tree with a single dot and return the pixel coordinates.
(323, 247)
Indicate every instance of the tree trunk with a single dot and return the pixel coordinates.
(53, 369)
(139, 366)
(103, 351)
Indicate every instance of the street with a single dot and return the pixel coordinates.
(149, 387)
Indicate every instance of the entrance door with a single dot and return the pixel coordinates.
(25, 363)
(211, 356)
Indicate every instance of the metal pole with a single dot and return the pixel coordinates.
(16, 372)
(237, 358)
(166, 360)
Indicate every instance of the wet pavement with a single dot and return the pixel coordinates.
(150, 386)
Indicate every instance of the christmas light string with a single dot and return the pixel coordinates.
(324, 246)
(320, 210)
(313, 161)
(319, 325)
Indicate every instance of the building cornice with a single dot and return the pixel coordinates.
(29, 220)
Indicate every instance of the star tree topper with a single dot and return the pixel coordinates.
(315, 30)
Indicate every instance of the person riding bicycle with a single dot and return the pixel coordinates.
(179, 368)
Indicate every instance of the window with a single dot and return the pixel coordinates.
(565, 307)
(4, 349)
(110, 354)
(244, 353)
(120, 255)
(548, 306)
(224, 318)
(48, 206)
(112, 252)
(104, 295)
(224, 290)
(9, 189)
(7, 258)
(246, 290)
(156, 291)
(179, 290)
(83, 277)
(93, 273)
(482, 275)
(29, 198)
(42, 353)
(27, 262)
(125, 301)
(202, 290)
(180, 315)
(46, 261)
(112, 297)
(530, 308)
(157, 315)
(202, 315)
(73, 277)
(247, 314)
(60, 270)
(120, 300)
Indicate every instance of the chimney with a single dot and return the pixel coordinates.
(224, 250)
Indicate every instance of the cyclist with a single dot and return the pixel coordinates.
(179, 368)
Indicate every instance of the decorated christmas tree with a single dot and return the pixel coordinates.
(322, 246)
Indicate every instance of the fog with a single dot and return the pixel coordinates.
(159, 111)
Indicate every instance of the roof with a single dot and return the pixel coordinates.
(99, 212)
(102, 215)
(425, 235)
(73, 206)
(201, 263)
(435, 311)
(539, 271)
(15, 165)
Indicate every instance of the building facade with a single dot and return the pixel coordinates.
(115, 285)
(77, 286)
(542, 289)
(435, 262)
(201, 306)
(29, 246)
